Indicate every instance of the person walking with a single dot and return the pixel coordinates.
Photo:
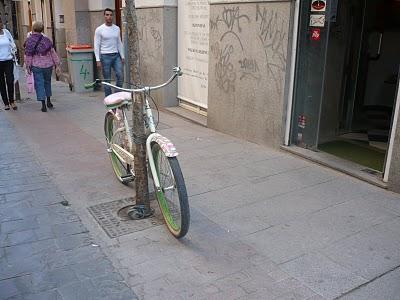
(40, 58)
(109, 50)
(7, 53)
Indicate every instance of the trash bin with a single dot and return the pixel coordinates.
(80, 66)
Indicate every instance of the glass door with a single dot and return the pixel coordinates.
(310, 73)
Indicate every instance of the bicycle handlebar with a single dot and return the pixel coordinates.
(177, 71)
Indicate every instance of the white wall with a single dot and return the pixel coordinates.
(154, 3)
(96, 5)
(81, 5)
(58, 10)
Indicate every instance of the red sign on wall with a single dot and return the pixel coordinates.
(315, 34)
(318, 5)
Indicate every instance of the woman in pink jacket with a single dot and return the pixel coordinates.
(40, 58)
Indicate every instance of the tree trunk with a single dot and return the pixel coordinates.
(141, 180)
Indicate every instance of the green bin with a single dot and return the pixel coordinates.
(80, 66)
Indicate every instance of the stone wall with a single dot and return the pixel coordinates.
(247, 69)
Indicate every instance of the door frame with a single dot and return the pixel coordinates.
(395, 121)
(289, 108)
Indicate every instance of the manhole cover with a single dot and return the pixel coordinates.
(112, 217)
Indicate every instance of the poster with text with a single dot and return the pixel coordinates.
(193, 40)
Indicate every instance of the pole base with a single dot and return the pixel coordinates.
(140, 212)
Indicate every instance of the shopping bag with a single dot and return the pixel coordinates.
(30, 84)
(16, 73)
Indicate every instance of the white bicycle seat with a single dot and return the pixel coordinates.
(117, 98)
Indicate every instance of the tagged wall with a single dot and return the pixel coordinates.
(158, 50)
(248, 61)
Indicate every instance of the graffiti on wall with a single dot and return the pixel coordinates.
(236, 57)
(224, 69)
(149, 35)
(273, 37)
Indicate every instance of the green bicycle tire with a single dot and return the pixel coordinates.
(177, 217)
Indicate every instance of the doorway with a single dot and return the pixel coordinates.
(346, 80)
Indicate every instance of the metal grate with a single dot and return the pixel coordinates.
(112, 217)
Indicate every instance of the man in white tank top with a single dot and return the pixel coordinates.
(109, 50)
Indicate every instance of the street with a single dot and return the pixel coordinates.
(264, 224)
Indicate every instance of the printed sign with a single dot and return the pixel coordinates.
(318, 5)
(315, 34)
(317, 20)
(193, 41)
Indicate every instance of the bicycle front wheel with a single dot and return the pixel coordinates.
(172, 198)
(123, 171)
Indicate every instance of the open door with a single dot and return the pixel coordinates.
(353, 67)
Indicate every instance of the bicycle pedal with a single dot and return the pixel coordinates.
(128, 178)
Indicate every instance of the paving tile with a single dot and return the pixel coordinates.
(71, 228)
(369, 253)
(322, 275)
(52, 279)
(47, 295)
(92, 268)
(74, 241)
(385, 287)
(21, 237)
(80, 290)
(28, 223)
(8, 289)
(317, 230)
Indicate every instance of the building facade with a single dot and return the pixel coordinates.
(317, 78)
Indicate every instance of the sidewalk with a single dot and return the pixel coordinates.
(265, 224)
(45, 250)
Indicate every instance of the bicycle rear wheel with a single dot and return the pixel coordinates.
(123, 172)
(172, 198)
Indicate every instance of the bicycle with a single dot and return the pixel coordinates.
(169, 184)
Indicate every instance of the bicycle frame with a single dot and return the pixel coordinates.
(165, 144)
(122, 154)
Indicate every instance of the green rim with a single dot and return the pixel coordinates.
(162, 201)
(166, 211)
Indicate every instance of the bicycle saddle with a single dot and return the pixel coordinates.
(117, 98)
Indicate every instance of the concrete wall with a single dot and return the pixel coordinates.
(96, 19)
(158, 49)
(84, 27)
(70, 22)
(247, 69)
